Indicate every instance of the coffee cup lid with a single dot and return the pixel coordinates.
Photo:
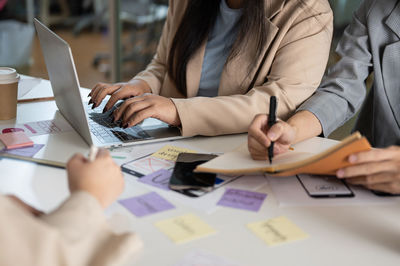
(8, 75)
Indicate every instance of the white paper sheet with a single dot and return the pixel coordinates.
(26, 85)
(38, 127)
(206, 203)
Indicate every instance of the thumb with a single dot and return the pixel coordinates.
(103, 153)
(276, 131)
(281, 132)
(77, 159)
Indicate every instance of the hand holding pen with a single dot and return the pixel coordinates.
(97, 175)
(267, 129)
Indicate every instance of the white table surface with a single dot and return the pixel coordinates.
(338, 235)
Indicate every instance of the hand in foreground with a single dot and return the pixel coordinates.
(377, 169)
(260, 137)
(117, 91)
(25, 206)
(135, 110)
(101, 178)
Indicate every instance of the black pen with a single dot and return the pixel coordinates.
(271, 122)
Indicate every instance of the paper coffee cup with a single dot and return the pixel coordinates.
(8, 93)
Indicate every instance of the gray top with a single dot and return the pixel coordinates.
(371, 43)
(218, 47)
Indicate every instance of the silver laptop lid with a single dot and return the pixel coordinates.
(64, 79)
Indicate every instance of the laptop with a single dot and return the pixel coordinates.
(95, 128)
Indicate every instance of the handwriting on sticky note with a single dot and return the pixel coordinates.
(146, 204)
(158, 179)
(184, 228)
(242, 199)
(170, 152)
(277, 231)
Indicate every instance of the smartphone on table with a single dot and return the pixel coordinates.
(183, 177)
(318, 186)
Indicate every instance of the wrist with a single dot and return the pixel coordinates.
(99, 198)
(177, 119)
(295, 131)
(92, 193)
(305, 125)
(144, 87)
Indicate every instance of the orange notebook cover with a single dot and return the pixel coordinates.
(294, 162)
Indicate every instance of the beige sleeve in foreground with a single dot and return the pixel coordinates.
(74, 234)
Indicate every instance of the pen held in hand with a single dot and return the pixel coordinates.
(271, 152)
(271, 122)
(93, 153)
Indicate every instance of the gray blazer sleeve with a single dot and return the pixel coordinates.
(343, 88)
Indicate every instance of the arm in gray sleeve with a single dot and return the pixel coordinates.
(343, 89)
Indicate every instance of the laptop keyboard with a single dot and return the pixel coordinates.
(102, 126)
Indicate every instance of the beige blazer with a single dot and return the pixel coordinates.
(298, 41)
(74, 234)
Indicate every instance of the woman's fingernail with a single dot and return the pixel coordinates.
(104, 110)
(353, 158)
(90, 102)
(340, 173)
(271, 135)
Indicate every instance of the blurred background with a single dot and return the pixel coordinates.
(106, 36)
(111, 40)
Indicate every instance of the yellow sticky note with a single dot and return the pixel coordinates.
(184, 228)
(170, 152)
(277, 231)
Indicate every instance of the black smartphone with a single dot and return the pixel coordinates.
(183, 177)
(318, 186)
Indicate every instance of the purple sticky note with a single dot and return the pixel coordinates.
(146, 204)
(242, 199)
(25, 152)
(158, 179)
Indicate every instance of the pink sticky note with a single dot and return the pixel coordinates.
(14, 140)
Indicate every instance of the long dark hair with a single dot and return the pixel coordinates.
(197, 23)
